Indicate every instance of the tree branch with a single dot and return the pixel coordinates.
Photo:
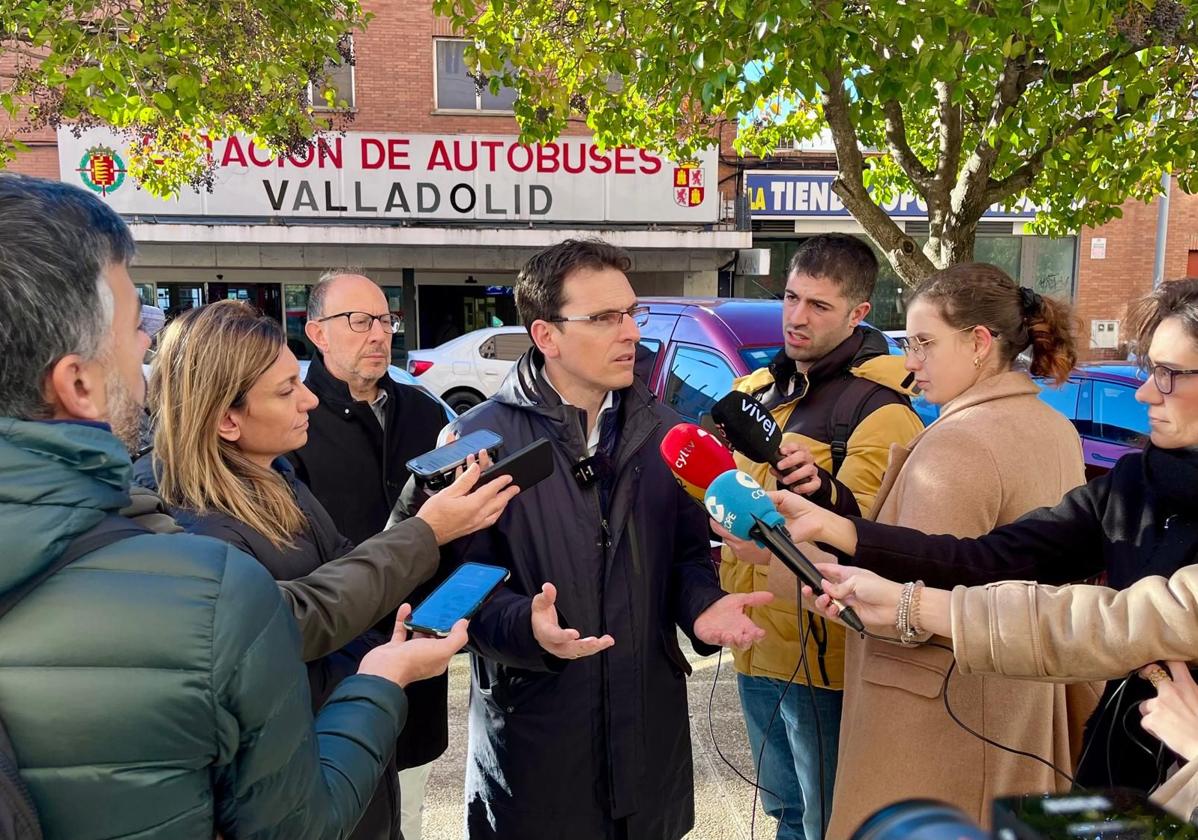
(1022, 177)
(900, 148)
(902, 252)
(952, 133)
(967, 195)
(1086, 71)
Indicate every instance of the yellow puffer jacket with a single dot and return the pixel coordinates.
(885, 418)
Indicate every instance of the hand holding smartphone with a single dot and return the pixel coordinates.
(438, 468)
(459, 596)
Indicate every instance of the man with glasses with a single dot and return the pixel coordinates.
(360, 437)
(578, 714)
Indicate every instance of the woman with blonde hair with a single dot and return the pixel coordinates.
(963, 475)
(228, 404)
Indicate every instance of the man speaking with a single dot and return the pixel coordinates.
(578, 718)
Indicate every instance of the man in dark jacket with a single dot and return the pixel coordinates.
(360, 437)
(578, 718)
(153, 688)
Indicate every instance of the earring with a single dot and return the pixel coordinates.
(977, 361)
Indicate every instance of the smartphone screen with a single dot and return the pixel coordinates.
(435, 465)
(459, 596)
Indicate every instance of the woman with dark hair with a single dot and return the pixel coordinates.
(966, 327)
(228, 404)
(1137, 524)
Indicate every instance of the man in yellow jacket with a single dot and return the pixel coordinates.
(839, 398)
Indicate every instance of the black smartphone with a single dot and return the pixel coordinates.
(527, 466)
(458, 597)
(435, 469)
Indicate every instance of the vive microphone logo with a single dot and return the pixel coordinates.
(755, 411)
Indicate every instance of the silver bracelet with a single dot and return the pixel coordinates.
(906, 620)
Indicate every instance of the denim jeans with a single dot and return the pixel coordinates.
(790, 760)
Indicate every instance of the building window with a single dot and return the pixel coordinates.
(337, 84)
(458, 87)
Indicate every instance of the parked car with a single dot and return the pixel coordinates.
(692, 350)
(466, 370)
(1100, 400)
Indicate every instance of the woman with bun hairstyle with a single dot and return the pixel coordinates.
(1137, 525)
(965, 474)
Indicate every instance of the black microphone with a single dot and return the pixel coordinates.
(749, 427)
(741, 506)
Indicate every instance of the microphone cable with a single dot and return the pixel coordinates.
(953, 715)
(804, 637)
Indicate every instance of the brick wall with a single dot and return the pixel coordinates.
(395, 72)
(1105, 286)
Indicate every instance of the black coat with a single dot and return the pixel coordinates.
(357, 470)
(317, 545)
(354, 467)
(565, 749)
(1138, 520)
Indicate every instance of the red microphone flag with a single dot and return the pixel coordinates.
(695, 457)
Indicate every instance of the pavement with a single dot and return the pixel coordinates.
(723, 802)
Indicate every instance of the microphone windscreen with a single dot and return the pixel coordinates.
(748, 426)
(695, 457)
(738, 502)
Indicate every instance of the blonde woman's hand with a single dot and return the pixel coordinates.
(460, 509)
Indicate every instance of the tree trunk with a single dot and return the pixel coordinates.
(956, 244)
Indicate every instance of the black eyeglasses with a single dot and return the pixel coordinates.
(363, 321)
(1162, 377)
(639, 315)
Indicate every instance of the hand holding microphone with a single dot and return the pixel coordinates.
(752, 430)
(738, 503)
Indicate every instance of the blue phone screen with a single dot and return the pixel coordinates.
(457, 597)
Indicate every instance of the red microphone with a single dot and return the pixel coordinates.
(695, 457)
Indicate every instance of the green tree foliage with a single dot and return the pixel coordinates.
(1073, 104)
(174, 71)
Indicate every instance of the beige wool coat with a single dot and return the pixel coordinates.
(996, 453)
(1025, 630)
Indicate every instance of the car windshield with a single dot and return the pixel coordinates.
(759, 357)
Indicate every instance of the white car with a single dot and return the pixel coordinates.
(466, 370)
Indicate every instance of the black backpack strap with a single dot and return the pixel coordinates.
(846, 415)
(112, 528)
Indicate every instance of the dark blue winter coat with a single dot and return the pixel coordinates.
(565, 749)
